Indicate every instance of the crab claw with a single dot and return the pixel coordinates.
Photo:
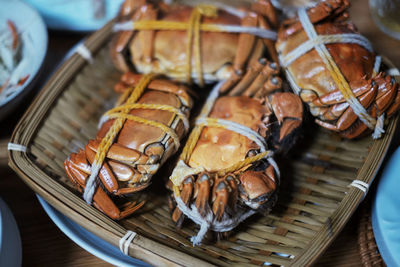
(258, 187)
(288, 109)
(100, 198)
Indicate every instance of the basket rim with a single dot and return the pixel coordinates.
(142, 247)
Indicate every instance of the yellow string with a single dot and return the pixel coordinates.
(191, 143)
(171, 109)
(192, 20)
(244, 163)
(157, 124)
(194, 137)
(193, 28)
(197, 53)
(343, 85)
(107, 141)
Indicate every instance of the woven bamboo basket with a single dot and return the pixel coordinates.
(367, 247)
(315, 199)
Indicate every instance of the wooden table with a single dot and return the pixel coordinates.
(44, 244)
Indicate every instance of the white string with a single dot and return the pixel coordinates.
(325, 39)
(378, 131)
(363, 186)
(237, 128)
(315, 41)
(91, 183)
(209, 221)
(125, 241)
(377, 65)
(16, 147)
(263, 33)
(84, 52)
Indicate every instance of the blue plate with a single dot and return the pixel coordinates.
(88, 241)
(10, 240)
(386, 212)
(79, 15)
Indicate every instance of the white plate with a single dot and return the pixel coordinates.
(33, 33)
(76, 15)
(386, 212)
(88, 241)
(10, 240)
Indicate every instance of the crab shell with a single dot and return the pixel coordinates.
(165, 52)
(319, 91)
(139, 149)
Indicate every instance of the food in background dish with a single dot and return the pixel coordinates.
(12, 62)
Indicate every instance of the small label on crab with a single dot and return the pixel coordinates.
(181, 171)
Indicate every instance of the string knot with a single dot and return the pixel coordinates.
(207, 10)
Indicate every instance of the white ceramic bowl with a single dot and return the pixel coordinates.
(33, 32)
(88, 241)
(76, 15)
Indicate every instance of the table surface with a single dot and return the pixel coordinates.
(44, 244)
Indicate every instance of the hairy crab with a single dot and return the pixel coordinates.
(226, 171)
(153, 117)
(335, 71)
(204, 43)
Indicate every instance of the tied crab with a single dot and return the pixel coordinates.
(335, 71)
(226, 171)
(204, 43)
(152, 115)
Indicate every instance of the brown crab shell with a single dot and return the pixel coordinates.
(309, 71)
(218, 148)
(216, 49)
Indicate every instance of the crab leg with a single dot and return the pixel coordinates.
(396, 103)
(120, 153)
(325, 10)
(336, 96)
(386, 92)
(100, 199)
(202, 192)
(270, 86)
(267, 42)
(349, 117)
(186, 195)
(129, 6)
(270, 69)
(252, 72)
(245, 43)
(266, 9)
(146, 37)
(220, 198)
(131, 79)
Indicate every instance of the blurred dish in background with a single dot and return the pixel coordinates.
(386, 15)
(23, 46)
(76, 15)
(10, 240)
(88, 241)
(386, 212)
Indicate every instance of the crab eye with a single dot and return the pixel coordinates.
(273, 65)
